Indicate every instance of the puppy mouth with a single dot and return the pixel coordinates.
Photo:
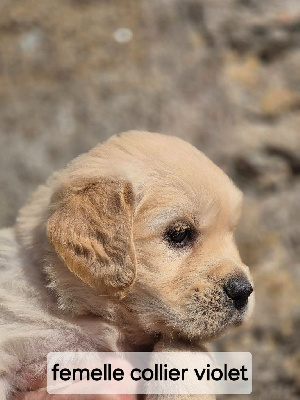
(207, 315)
(204, 315)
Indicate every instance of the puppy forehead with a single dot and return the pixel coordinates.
(175, 177)
(147, 155)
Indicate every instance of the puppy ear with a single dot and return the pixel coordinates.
(91, 230)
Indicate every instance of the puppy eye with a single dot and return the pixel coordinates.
(180, 235)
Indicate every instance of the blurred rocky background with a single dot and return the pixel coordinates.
(222, 74)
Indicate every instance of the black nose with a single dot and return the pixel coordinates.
(238, 289)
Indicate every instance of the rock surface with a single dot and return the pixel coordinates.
(223, 74)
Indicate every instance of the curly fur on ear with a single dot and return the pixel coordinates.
(91, 230)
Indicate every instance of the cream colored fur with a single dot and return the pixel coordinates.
(88, 267)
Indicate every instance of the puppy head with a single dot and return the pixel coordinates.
(152, 214)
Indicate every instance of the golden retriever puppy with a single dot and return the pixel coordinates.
(129, 248)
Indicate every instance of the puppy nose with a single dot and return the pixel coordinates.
(238, 289)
